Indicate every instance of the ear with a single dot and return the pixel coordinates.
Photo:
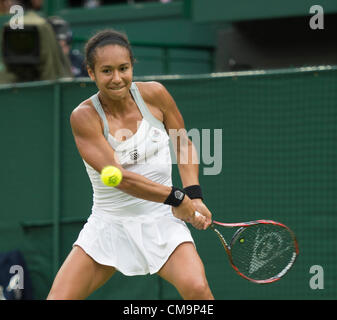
(91, 74)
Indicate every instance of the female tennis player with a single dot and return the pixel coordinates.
(139, 226)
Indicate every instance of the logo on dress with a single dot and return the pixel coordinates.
(134, 155)
(156, 135)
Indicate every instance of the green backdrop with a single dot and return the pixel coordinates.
(279, 156)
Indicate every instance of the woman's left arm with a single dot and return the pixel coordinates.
(186, 154)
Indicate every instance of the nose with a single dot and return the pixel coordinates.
(116, 78)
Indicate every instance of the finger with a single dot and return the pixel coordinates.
(207, 224)
(199, 221)
(197, 226)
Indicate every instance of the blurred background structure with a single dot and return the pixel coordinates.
(195, 36)
(266, 74)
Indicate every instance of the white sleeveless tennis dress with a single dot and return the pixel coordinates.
(133, 235)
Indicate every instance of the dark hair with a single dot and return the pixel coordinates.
(104, 38)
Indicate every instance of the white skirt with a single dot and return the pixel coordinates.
(134, 246)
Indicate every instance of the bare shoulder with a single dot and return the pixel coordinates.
(150, 88)
(155, 93)
(84, 116)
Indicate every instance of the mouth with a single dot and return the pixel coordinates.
(116, 89)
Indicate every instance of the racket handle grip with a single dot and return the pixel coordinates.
(197, 214)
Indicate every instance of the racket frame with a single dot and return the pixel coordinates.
(247, 225)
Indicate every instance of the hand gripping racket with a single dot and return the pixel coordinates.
(261, 251)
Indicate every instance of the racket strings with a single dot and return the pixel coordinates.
(263, 251)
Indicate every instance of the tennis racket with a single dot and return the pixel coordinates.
(261, 251)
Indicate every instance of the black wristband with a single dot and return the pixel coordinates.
(194, 192)
(176, 197)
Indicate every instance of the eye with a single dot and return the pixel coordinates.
(105, 70)
(124, 68)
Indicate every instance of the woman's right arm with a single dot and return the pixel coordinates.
(97, 152)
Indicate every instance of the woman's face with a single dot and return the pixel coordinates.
(113, 71)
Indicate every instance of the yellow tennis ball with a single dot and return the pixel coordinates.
(111, 176)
